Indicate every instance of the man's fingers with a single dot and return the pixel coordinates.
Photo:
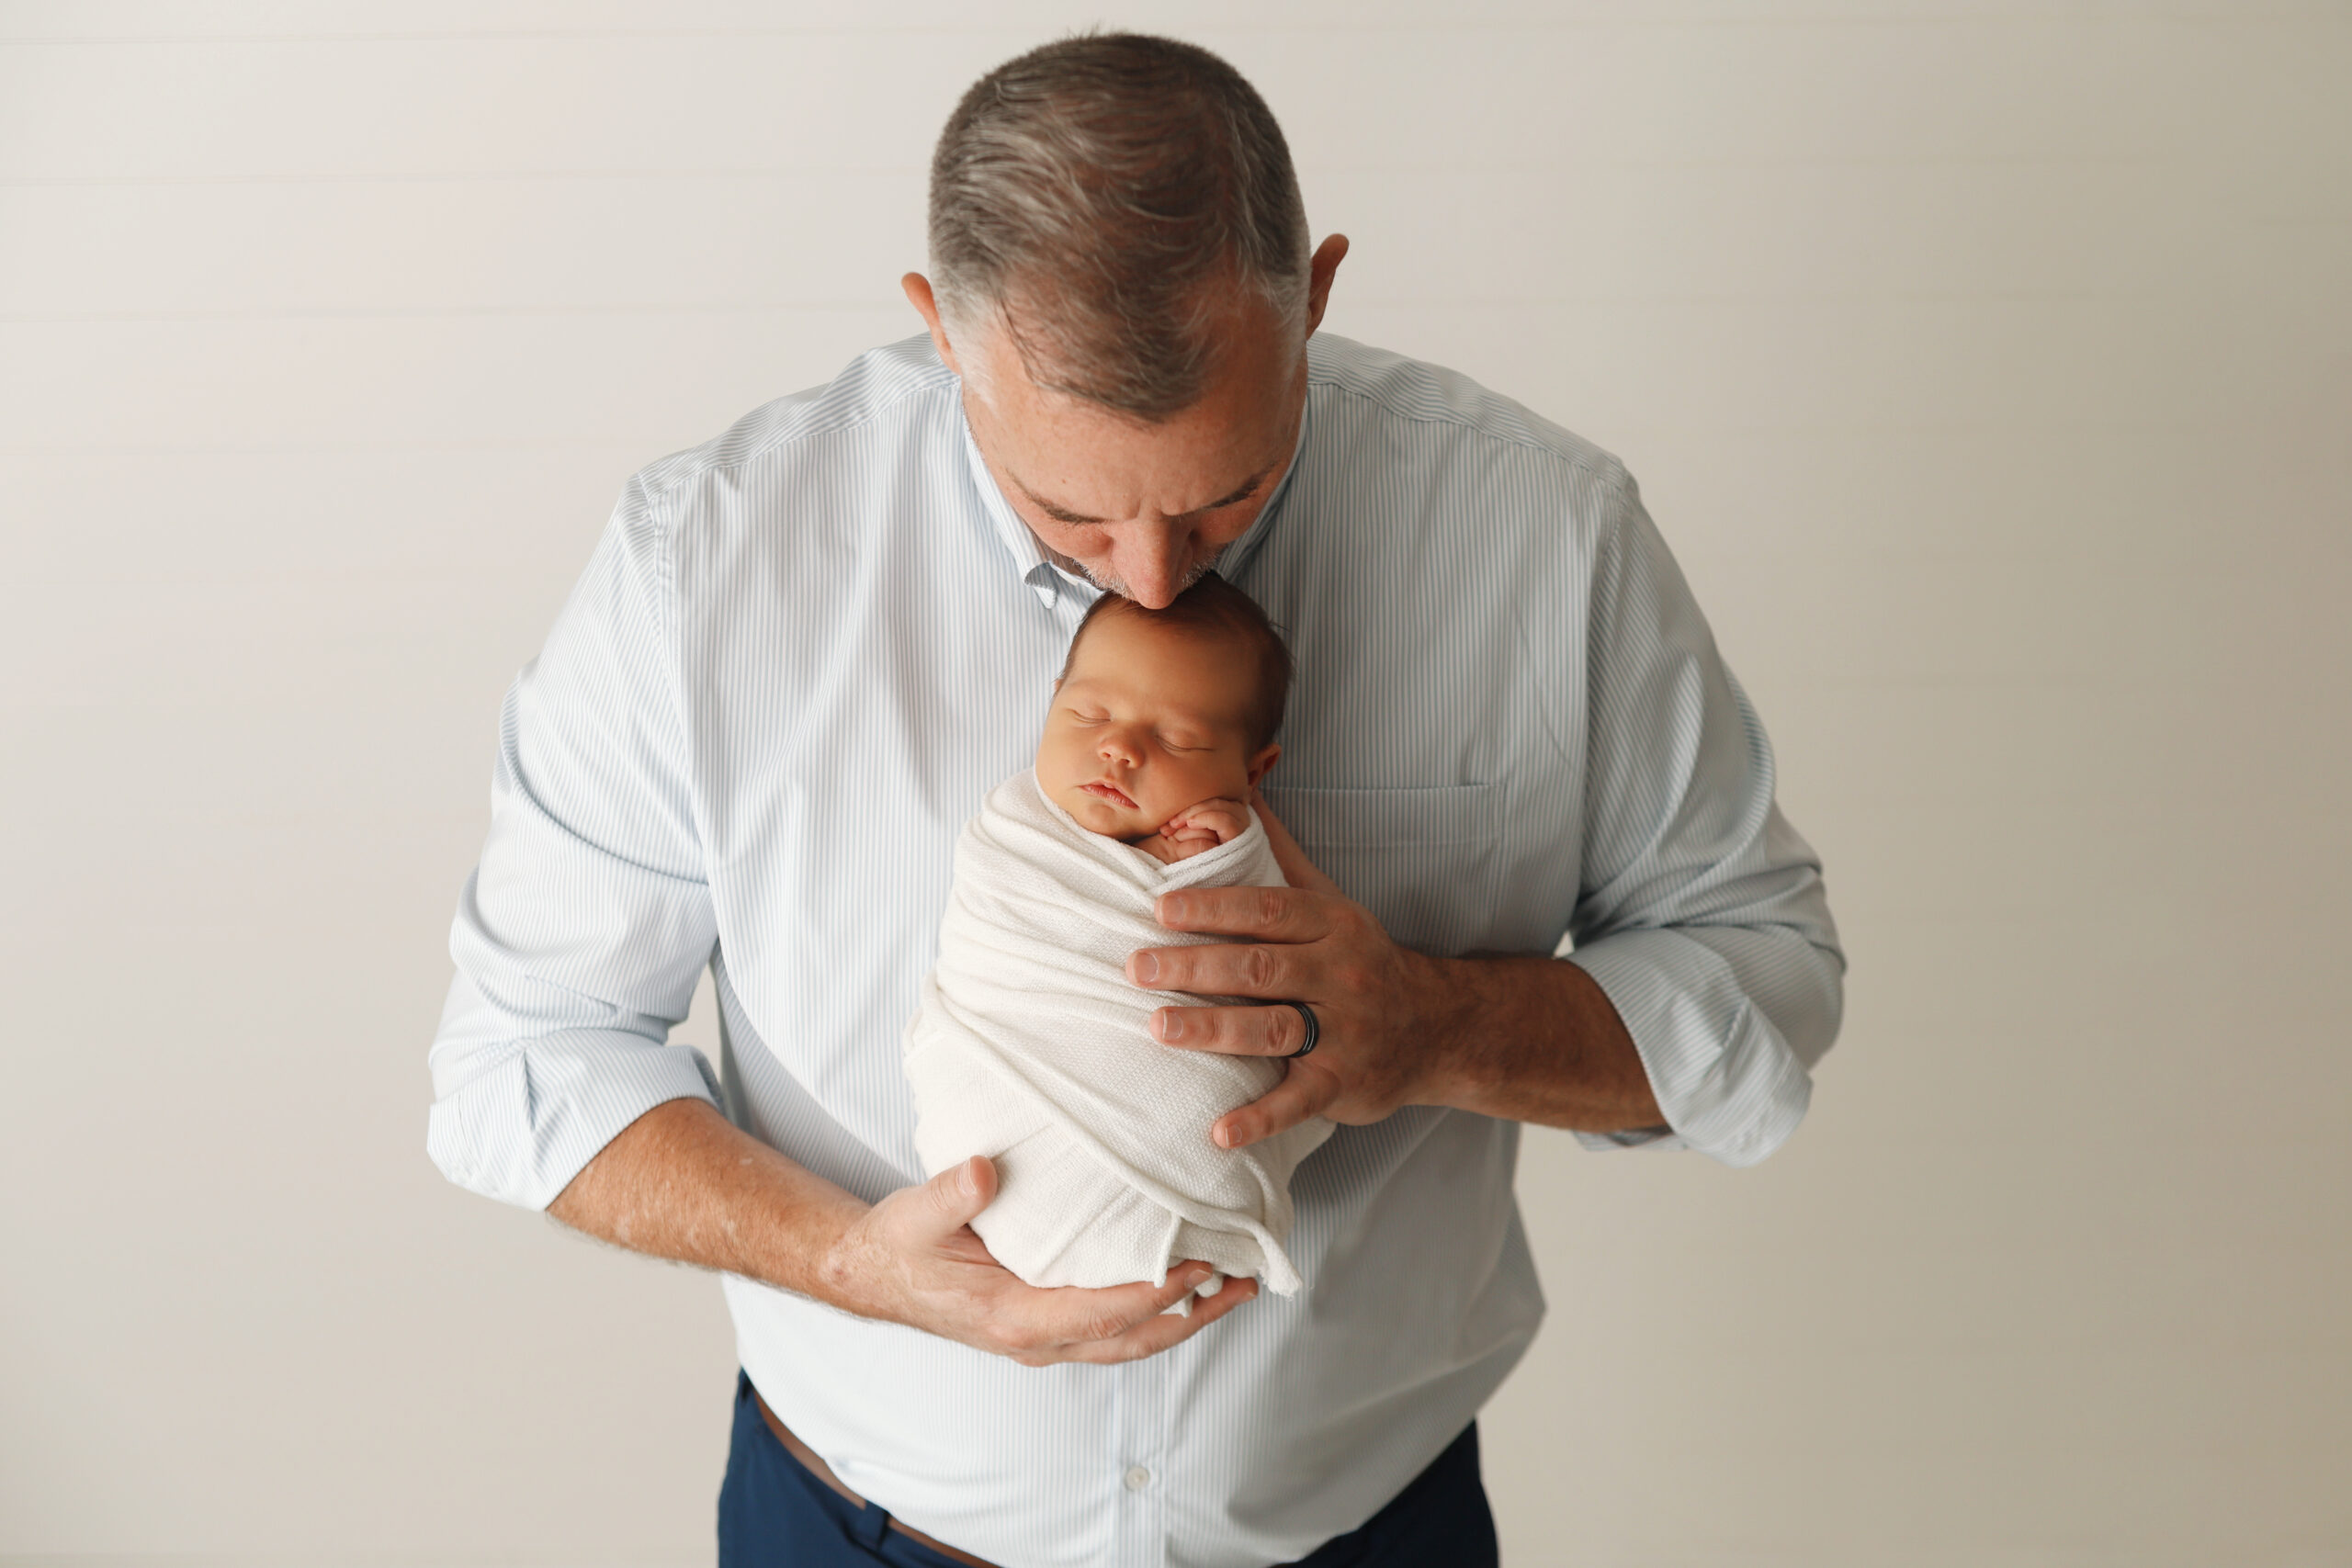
(951, 1199)
(1123, 1323)
(1305, 1090)
(1225, 969)
(1269, 914)
(1164, 1330)
(1081, 1316)
(1234, 1031)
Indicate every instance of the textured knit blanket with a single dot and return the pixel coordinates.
(1030, 1046)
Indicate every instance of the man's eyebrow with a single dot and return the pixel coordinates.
(1064, 515)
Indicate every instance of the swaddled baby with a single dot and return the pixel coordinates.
(1030, 1046)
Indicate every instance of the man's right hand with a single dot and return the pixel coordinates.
(912, 1259)
(682, 1181)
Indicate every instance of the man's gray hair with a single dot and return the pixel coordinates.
(1096, 197)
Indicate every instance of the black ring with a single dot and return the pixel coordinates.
(1314, 1030)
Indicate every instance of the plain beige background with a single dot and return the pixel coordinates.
(1989, 366)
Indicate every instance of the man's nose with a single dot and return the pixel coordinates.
(1153, 569)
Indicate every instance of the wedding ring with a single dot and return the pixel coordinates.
(1314, 1030)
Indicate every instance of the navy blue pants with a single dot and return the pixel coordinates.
(774, 1513)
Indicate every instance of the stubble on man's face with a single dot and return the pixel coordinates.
(1108, 583)
(1138, 508)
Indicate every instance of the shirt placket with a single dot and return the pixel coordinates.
(1138, 1484)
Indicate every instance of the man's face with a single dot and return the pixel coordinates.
(1142, 510)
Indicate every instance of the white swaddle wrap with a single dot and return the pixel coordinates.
(1030, 1046)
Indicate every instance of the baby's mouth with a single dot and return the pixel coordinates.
(1112, 793)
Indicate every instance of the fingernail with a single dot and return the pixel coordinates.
(1222, 1135)
(969, 1180)
(1169, 1022)
(1173, 907)
(1144, 967)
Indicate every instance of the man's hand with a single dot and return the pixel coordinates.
(682, 1181)
(912, 1259)
(1316, 945)
(1531, 1038)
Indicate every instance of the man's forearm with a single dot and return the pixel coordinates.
(1536, 1039)
(683, 1182)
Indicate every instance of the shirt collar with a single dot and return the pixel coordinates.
(1050, 582)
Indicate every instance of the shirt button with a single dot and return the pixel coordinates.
(1136, 1478)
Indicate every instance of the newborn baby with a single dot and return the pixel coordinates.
(1030, 1046)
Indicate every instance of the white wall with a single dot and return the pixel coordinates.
(1988, 365)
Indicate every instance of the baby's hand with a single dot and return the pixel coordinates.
(1205, 826)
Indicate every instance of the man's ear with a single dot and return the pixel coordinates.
(1321, 268)
(918, 291)
(1261, 761)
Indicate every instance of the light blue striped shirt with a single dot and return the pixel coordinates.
(801, 655)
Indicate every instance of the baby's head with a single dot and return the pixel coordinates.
(1158, 710)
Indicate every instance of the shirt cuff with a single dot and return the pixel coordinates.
(1728, 1084)
(520, 1130)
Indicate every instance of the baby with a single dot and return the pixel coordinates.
(1167, 720)
(1030, 1046)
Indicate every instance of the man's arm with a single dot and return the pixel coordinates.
(1701, 975)
(683, 1182)
(1528, 1039)
(578, 943)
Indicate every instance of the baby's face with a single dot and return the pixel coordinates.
(1148, 722)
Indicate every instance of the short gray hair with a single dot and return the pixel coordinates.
(1092, 196)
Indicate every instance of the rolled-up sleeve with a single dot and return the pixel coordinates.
(1701, 911)
(580, 937)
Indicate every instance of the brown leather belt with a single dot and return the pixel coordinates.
(808, 1461)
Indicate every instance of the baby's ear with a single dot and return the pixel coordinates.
(1262, 761)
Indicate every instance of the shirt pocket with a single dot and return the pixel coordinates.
(1424, 861)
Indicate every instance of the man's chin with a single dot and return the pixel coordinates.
(1110, 584)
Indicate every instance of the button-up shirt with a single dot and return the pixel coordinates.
(801, 655)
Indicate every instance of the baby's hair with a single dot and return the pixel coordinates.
(1215, 605)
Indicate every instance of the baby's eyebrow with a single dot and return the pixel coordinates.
(1064, 515)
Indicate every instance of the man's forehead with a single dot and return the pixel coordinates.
(1081, 462)
(1082, 468)
(1062, 511)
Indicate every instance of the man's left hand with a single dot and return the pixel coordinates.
(1382, 1009)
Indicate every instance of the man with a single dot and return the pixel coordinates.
(804, 651)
